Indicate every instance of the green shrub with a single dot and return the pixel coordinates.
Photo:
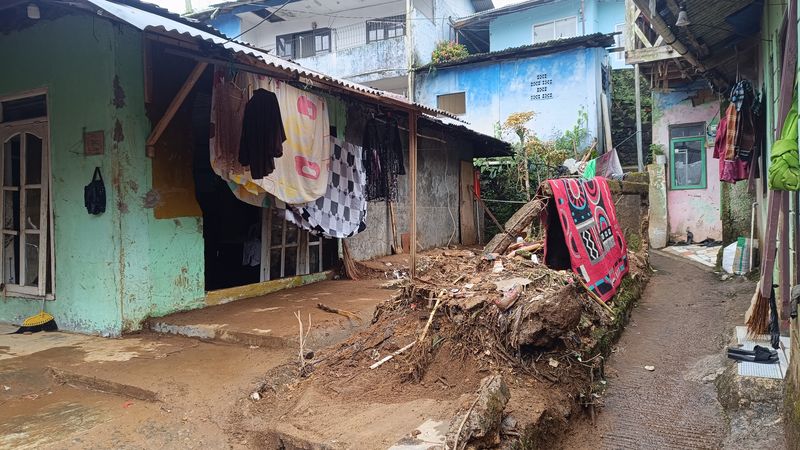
(446, 51)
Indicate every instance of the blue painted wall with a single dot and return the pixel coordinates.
(516, 29)
(513, 30)
(494, 90)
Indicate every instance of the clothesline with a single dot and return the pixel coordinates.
(418, 134)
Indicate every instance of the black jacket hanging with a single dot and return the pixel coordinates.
(262, 134)
(94, 194)
(383, 158)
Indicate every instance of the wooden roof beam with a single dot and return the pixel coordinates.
(670, 39)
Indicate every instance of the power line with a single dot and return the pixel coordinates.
(259, 23)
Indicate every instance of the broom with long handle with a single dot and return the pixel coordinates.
(757, 317)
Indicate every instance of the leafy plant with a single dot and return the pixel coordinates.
(446, 51)
(623, 114)
(656, 150)
(510, 181)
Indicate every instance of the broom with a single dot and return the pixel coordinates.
(757, 317)
(350, 269)
(38, 322)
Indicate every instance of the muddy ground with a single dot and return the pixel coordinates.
(333, 399)
(159, 391)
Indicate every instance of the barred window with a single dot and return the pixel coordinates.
(386, 28)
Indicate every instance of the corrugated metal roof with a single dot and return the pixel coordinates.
(482, 5)
(494, 146)
(151, 19)
(487, 14)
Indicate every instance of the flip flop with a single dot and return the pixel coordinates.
(760, 359)
(757, 350)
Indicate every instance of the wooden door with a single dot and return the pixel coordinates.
(466, 208)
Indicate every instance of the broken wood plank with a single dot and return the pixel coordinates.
(340, 312)
(174, 106)
(516, 225)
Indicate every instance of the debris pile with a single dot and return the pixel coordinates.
(525, 320)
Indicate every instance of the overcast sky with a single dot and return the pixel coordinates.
(179, 6)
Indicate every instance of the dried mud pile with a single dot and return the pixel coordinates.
(451, 332)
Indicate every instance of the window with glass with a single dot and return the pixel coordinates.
(688, 157)
(556, 29)
(289, 250)
(386, 28)
(26, 251)
(619, 41)
(305, 44)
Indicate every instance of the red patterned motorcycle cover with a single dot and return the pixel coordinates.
(589, 234)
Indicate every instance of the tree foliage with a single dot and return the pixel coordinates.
(448, 51)
(623, 115)
(504, 179)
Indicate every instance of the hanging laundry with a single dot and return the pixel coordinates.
(582, 232)
(262, 135)
(342, 211)
(251, 249)
(737, 138)
(227, 114)
(228, 102)
(383, 158)
(301, 175)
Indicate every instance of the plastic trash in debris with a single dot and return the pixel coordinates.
(520, 240)
(498, 266)
(511, 283)
(534, 258)
(650, 368)
(509, 298)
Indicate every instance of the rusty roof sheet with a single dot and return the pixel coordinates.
(147, 17)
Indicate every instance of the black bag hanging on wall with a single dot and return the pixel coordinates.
(94, 194)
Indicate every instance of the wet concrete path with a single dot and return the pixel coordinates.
(681, 325)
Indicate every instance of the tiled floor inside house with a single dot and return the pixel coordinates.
(700, 253)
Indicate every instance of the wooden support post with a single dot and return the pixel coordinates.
(412, 188)
(639, 150)
(606, 123)
(174, 106)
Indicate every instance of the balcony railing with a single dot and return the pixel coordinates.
(323, 41)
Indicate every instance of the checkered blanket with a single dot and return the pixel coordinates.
(342, 211)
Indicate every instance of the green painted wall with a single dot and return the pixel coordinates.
(112, 270)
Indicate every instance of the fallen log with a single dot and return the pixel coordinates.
(516, 226)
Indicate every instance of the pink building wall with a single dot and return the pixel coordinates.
(695, 209)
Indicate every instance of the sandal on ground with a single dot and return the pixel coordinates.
(758, 358)
(757, 350)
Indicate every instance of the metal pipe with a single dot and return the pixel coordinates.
(583, 17)
(639, 150)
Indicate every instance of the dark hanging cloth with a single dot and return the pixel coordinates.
(262, 134)
(383, 158)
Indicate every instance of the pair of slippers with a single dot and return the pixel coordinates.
(758, 354)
